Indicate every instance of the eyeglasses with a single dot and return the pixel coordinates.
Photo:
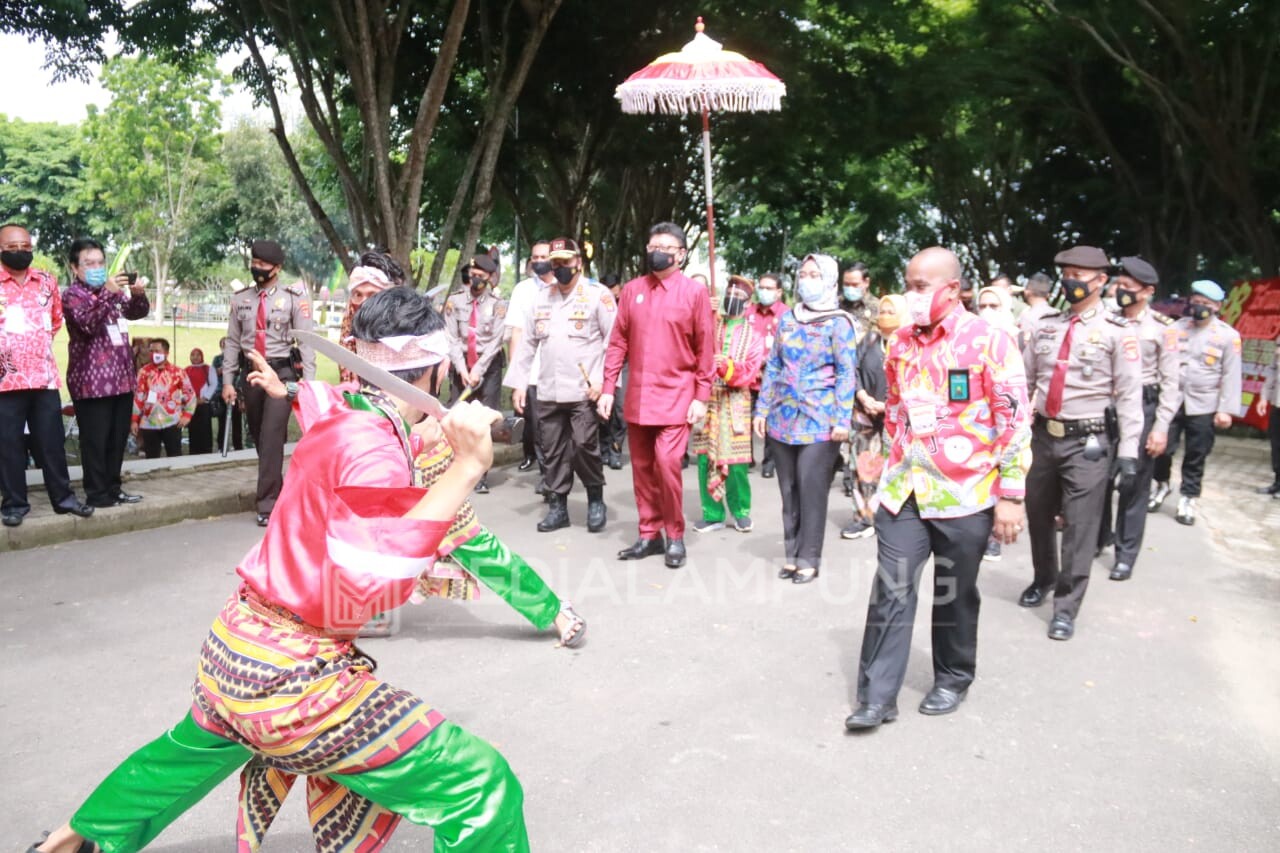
(653, 247)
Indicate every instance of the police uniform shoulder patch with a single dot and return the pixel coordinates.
(297, 289)
(500, 310)
(1163, 318)
(1119, 320)
(606, 299)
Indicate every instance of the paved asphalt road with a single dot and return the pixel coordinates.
(706, 711)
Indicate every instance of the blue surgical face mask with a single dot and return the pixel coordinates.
(95, 277)
(852, 294)
(766, 297)
(810, 290)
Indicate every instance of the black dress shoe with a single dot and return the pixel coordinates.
(263, 518)
(766, 470)
(126, 498)
(643, 548)
(1122, 572)
(77, 509)
(941, 700)
(12, 519)
(526, 464)
(1273, 489)
(675, 553)
(787, 572)
(1033, 596)
(1063, 627)
(805, 574)
(870, 717)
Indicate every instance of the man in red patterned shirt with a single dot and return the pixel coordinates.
(958, 422)
(763, 315)
(30, 315)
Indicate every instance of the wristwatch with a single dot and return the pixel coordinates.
(291, 391)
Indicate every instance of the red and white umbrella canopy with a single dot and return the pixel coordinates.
(701, 76)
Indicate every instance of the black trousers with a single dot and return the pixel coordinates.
(766, 458)
(804, 478)
(40, 411)
(570, 444)
(1200, 437)
(613, 431)
(269, 425)
(154, 440)
(489, 391)
(104, 433)
(200, 431)
(904, 543)
(236, 418)
(1273, 430)
(1131, 505)
(530, 440)
(1062, 479)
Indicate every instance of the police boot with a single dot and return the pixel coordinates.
(596, 510)
(557, 516)
(1157, 497)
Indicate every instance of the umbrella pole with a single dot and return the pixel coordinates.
(711, 210)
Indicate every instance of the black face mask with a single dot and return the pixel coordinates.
(734, 305)
(1199, 313)
(1125, 298)
(659, 261)
(261, 276)
(540, 268)
(17, 260)
(1075, 290)
(564, 275)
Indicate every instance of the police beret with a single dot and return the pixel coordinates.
(485, 261)
(563, 247)
(1085, 257)
(1209, 290)
(267, 250)
(1139, 270)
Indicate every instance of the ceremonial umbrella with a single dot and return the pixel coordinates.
(700, 78)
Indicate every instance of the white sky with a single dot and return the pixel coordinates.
(34, 96)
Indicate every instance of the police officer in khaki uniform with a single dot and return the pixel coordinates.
(475, 320)
(1269, 401)
(1158, 340)
(1079, 361)
(264, 318)
(1210, 354)
(571, 323)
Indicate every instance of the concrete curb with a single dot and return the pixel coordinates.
(196, 491)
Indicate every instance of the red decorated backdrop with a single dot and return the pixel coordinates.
(1254, 309)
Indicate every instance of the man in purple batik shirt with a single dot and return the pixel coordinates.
(100, 374)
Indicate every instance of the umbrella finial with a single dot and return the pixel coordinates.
(699, 26)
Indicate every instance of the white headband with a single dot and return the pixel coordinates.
(402, 352)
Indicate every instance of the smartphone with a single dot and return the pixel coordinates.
(133, 278)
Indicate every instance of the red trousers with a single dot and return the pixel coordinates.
(658, 480)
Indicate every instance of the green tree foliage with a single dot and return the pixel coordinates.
(152, 150)
(42, 181)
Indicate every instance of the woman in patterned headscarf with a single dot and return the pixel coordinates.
(804, 408)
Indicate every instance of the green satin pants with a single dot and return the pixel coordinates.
(451, 781)
(737, 491)
(510, 577)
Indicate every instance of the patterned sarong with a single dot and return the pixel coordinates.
(726, 433)
(306, 704)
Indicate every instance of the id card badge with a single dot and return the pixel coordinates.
(922, 412)
(152, 396)
(47, 320)
(958, 385)
(113, 332)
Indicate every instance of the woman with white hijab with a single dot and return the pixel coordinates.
(804, 409)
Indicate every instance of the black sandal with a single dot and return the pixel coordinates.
(805, 575)
(86, 846)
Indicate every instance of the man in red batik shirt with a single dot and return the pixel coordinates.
(664, 332)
